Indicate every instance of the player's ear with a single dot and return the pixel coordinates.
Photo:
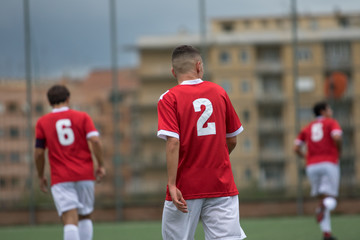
(173, 72)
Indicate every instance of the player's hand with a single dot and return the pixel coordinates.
(178, 199)
(43, 184)
(100, 173)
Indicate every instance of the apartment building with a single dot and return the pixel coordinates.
(94, 95)
(252, 59)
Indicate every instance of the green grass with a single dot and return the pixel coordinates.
(287, 228)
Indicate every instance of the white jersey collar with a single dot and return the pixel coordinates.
(62, 109)
(192, 82)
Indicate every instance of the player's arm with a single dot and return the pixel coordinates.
(39, 156)
(172, 161)
(298, 150)
(338, 142)
(96, 149)
(231, 143)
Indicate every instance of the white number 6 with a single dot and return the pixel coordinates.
(317, 132)
(210, 129)
(65, 133)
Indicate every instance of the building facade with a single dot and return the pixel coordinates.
(94, 95)
(252, 59)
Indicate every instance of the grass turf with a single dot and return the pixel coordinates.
(288, 228)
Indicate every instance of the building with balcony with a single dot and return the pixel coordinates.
(252, 59)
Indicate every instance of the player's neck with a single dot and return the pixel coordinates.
(60, 105)
(186, 77)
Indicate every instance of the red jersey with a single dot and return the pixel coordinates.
(320, 144)
(201, 116)
(65, 132)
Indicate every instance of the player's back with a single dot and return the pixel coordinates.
(65, 133)
(320, 143)
(203, 116)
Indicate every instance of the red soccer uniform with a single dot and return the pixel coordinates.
(320, 144)
(65, 132)
(201, 116)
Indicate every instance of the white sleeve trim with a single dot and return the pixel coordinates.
(164, 134)
(237, 132)
(336, 132)
(92, 134)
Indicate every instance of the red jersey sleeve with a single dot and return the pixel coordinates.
(335, 128)
(39, 135)
(301, 137)
(90, 127)
(233, 124)
(39, 132)
(167, 118)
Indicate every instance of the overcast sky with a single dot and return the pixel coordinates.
(71, 37)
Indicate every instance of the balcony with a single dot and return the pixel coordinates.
(270, 98)
(274, 155)
(271, 125)
(269, 66)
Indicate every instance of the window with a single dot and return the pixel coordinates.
(264, 22)
(245, 86)
(225, 57)
(228, 26)
(12, 107)
(39, 108)
(313, 25)
(272, 175)
(305, 114)
(226, 85)
(247, 24)
(14, 157)
(304, 54)
(2, 132)
(2, 108)
(14, 132)
(246, 116)
(337, 54)
(344, 22)
(2, 157)
(15, 182)
(2, 182)
(280, 23)
(244, 56)
(248, 174)
(247, 145)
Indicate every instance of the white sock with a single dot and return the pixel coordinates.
(325, 224)
(86, 229)
(330, 204)
(71, 232)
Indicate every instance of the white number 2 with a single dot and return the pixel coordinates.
(201, 130)
(317, 132)
(65, 133)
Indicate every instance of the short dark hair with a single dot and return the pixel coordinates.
(184, 50)
(57, 94)
(184, 57)
(319, 107)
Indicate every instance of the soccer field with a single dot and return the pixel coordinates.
(289, 228)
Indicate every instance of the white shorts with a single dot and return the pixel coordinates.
(219, 216)
(74, 195)
(324, 178)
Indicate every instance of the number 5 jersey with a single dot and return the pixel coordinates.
(201, 116)
(318, 137)
(64, 132)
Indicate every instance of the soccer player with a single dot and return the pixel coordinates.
(200, 125)
(323, 139)
(70, 137)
